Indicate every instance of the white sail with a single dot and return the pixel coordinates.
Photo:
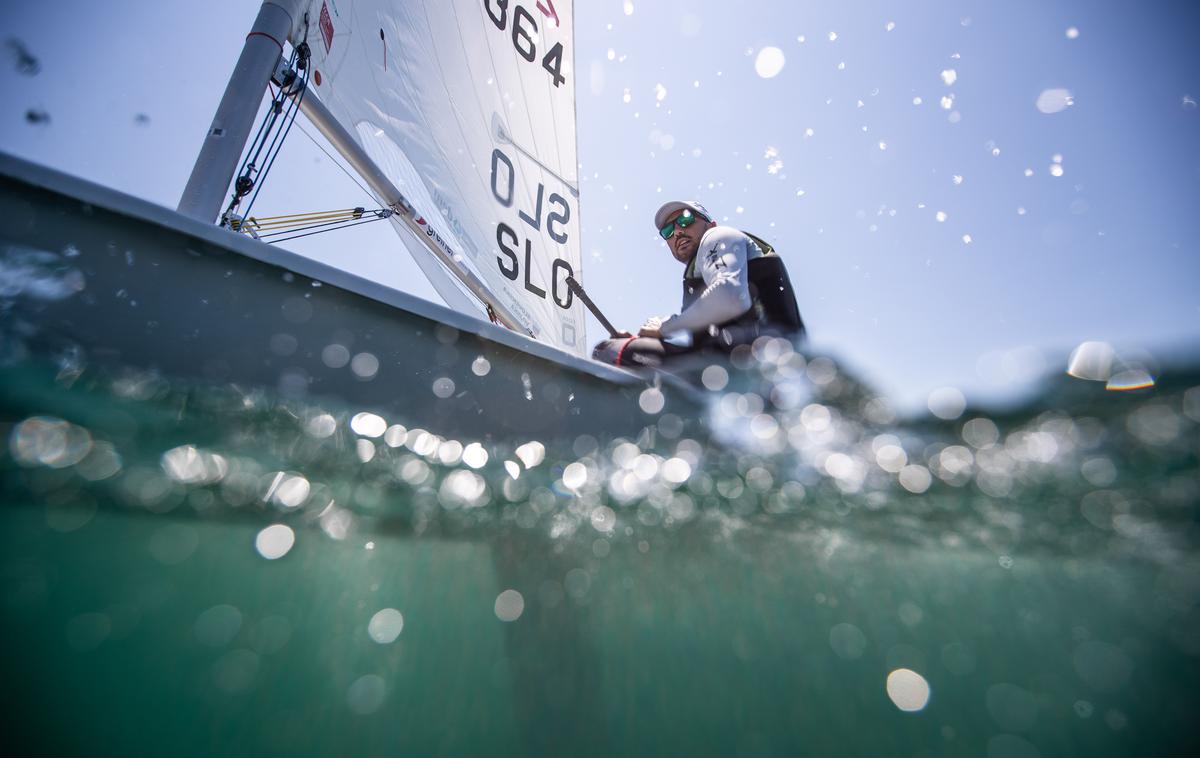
(469, 107)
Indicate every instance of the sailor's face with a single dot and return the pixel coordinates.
(686, 240)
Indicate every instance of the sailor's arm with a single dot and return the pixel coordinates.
(727, 293)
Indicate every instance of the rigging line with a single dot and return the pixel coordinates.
(283, 227)
(272, 116)
(309, 214)
(302, 228)
(320, 231)
(249, 164)
(261, 225)
(277, 143)
(289, 118)
(266, 125)
(273, 152)
(265, 230)
(345, 170)
(269, 127)
(262, 125)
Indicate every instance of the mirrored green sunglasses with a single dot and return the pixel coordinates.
(686, 219)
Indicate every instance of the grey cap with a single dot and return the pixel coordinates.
(660, 216)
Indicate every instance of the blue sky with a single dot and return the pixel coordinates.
(1107, 250)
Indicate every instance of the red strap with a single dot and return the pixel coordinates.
(621, 352)
(264, 34)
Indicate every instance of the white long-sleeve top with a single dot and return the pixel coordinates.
(721, 259)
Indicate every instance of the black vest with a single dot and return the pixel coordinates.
(774, 309)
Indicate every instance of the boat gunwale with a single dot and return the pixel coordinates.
(145, 211)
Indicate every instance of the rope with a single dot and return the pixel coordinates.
(257, 223)
(321, 221)
(335, 161)
(271, 135)
(319, 231)
(280, 136)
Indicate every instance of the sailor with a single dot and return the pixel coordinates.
(735, 289)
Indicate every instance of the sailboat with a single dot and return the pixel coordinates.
(459, 117)
(203, 552)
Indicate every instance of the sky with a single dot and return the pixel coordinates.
(962, 191)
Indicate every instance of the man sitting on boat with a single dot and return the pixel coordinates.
(735, 289)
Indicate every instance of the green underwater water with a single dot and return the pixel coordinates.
(196, 568)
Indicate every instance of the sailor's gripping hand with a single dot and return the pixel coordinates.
(652, 328)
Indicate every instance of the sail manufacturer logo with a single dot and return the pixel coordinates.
(326, 24)
(432, 234)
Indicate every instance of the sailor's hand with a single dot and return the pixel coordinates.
(652, 328)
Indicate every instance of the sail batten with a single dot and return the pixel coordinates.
(468, 107)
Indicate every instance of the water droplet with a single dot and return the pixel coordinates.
(908, 690)
(1055, 100)
(509, 605)
(947, 403)
(916, 479)
(365, 366)
(531, 453)
(443, 387)
(769, 62)
(335, 356)
(1092, 361)
(275, 541)
(474, 455)
(321, 426)
(366, 694)
(574, 475)
(714, 377)
(848, 641)
(49, 441)
(651, 400)
(368, 424)
(217, 626)
(385, 626)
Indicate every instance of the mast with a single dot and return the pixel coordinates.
(261, 59)
(208, 185)
(218, 160)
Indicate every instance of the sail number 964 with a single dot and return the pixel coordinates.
(524, 27)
